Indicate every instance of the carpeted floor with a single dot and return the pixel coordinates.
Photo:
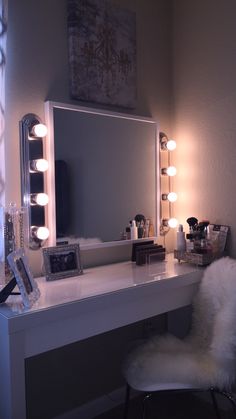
(174, 406)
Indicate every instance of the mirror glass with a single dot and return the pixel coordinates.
(105, 171)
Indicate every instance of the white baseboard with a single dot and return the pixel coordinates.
(98, 406)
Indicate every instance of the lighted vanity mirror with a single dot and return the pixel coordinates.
(103, 167)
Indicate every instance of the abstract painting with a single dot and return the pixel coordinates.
(102, 52)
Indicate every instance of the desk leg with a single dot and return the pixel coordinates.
(12, 376)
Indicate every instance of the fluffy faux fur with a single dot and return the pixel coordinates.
(206, 357)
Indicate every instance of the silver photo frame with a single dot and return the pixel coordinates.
(62, 261)
(27, 285)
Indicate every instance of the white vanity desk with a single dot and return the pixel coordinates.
(69, 310)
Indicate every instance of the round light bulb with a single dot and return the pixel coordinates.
(171, 145)
(42, 165)
(172, 196)
(39, 165)
(41, 199)
(39, 130)
(42, 233)
(171, 171)
(172, 222)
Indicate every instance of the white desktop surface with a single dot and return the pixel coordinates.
(71, 309)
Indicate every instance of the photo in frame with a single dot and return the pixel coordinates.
(62, 261)
(27, 285)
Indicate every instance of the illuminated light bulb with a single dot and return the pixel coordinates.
(171, 145)
(42, 233)
(39, 130)
(172, 222)
(39, 199)
(42, 199)
(39, 165)
(172, 196)
(171, 171)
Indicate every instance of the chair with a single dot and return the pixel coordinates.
(206, 358)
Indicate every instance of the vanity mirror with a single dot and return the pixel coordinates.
(103, 170)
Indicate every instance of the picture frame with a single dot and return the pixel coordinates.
(102, 53)
(62, 261)
(28, 287)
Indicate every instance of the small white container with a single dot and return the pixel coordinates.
(180, 239)
(134, 231)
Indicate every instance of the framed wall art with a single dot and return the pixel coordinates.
(62, 261)
(102, 52)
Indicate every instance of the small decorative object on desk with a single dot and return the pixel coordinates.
(180, 239)
(147, 252)
(62, 261)
(13, 234)
(25, 281)
(139, 227)
(205, 242)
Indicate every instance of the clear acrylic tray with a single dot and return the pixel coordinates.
(197, 258)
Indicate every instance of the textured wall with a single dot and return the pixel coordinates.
(205, 101)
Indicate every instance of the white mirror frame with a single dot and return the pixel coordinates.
(50, 155)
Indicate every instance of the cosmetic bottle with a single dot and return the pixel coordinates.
(134, 231)
(180, 239)
(140, 231)
(151, 229)
(146, 228)
(128, 235)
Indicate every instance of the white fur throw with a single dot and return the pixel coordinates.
(206, 357)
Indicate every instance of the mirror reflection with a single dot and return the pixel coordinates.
(105, 172)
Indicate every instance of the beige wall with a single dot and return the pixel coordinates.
(204, 68)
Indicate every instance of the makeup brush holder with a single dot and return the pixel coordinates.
(202, 251)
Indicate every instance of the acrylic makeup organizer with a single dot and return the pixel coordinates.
(217, 243)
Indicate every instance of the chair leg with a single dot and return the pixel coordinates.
(213, 397)
(145, 400)
(230, 398)
(127, 396)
